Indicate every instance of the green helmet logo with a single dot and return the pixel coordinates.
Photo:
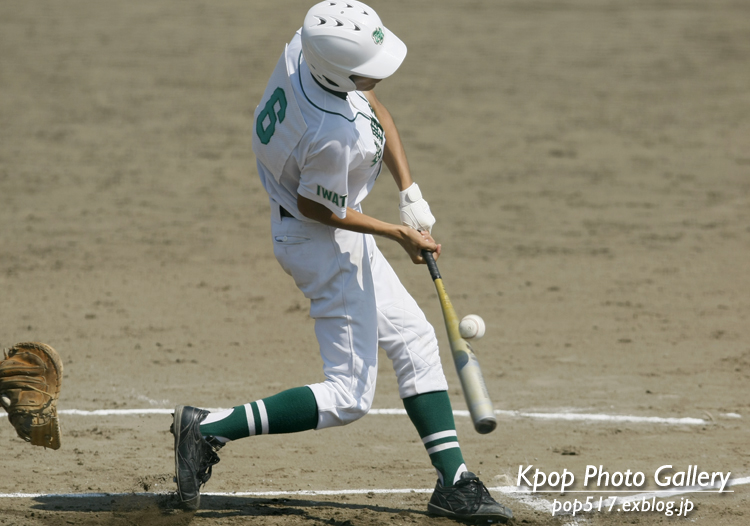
(378, 35)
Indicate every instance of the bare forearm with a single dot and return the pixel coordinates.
(410, 240)
(394, 155)
(354, 221)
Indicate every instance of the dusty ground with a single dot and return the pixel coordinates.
(589, 165)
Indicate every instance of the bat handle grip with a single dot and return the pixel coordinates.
(431, 264)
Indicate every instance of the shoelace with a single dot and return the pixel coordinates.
(207, 463)
(479, 490)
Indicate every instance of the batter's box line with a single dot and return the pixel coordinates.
(569, 416)
(523, 495)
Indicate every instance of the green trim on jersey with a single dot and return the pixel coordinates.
(338, 94)
(299, 79)
(377, 128)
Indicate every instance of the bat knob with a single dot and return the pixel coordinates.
(485, 425)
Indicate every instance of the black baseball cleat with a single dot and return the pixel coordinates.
(194, 456)
(468, 500)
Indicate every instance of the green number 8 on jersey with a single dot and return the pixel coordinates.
(272, 115)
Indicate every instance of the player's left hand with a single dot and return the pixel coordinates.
(414, 242)
(414, 210)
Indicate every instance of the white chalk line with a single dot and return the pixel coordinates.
(570, 416)
(522, 494)
(574, 417)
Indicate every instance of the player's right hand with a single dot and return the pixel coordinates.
(415, 241)
(414, 210)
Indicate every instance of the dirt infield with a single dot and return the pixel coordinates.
(588, 162)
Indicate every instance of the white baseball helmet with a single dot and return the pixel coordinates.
(341, 39)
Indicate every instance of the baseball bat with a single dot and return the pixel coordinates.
(467, 365)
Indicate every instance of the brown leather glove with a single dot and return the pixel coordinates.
(30, 379)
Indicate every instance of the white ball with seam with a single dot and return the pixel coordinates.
(471, 327)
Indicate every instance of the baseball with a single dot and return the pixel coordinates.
(472, 326)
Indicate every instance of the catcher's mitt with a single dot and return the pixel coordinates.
(30, 378)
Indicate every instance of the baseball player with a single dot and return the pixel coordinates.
(320, 139)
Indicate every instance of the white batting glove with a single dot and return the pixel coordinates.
(415, 212)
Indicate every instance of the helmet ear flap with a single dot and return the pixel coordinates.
(327, 76)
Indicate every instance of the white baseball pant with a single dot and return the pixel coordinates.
(358, 304)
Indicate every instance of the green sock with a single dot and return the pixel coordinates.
(432, 415)
(290, 411)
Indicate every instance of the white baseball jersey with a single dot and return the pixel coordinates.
(308, 142)
(314, 143)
